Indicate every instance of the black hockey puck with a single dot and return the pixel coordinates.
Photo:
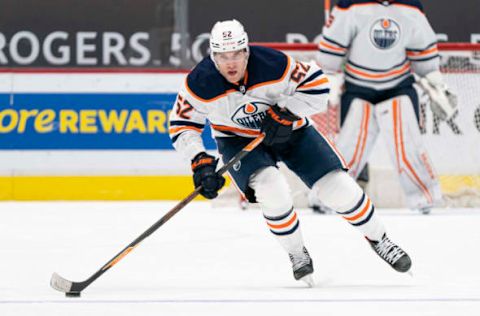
(72, 294)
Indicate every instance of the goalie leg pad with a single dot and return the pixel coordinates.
(358, 135)
(417, 176)
(338, 191)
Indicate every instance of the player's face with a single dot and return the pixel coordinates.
(232, 65)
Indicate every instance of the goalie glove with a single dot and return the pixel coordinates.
(442, 101)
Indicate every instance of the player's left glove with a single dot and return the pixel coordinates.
(204, 169)
(278, 125)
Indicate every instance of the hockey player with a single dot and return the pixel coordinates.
(378, 44)
(245, 90)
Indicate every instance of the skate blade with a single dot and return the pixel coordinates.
(308, 279)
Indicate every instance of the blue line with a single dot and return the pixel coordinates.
(240, 301)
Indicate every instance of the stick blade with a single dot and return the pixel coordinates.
(60, 284)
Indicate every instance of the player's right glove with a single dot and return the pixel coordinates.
(278, 125)
(204, 169)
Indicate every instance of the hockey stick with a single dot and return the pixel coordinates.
(73, 289)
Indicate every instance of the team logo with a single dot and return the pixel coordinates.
(385, 33)
(237, 166)
(250, 115)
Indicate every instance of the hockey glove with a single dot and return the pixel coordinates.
(278, 125)
(204, 169)
(442, 101)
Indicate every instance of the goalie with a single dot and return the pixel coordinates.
(378, 44)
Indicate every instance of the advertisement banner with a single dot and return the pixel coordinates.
(144, 33)
(87, 33)
(87, 121)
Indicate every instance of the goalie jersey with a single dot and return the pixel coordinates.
(238, 109)
(381, 43)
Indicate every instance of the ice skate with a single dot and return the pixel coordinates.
(302, 266)
(423, 210)
(317, 206)
(320, 209)
(392, 254)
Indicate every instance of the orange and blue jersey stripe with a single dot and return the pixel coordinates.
(316, 83)
(245, 132)
(332, 47)
(362, 73)
(178, 127)
(424, 54)
(235, 131)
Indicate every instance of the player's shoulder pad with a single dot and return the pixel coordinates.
(205, 81)
(412, 3)
(345, 4)
(266, 64)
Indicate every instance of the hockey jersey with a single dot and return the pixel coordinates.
(271, 78)
(381, 43)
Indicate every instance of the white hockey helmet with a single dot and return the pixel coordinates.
(228, 36)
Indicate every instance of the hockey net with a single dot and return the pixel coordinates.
(454, 145)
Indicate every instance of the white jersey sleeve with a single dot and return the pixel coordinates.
(307, 89)
(187, 122)
(422, 48)
(337, 34)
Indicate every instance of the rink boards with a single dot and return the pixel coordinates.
(90, 135)
(103, 136)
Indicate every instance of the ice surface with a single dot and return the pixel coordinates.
(224, 261)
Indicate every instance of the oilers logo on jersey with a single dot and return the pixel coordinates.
(385, 33)
(362, 33)
(250, 115)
